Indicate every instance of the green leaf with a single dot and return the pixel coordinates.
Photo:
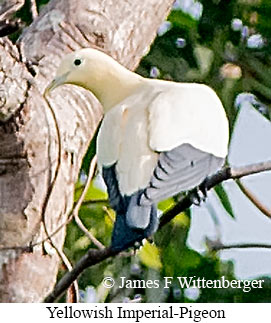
(149, 255)
(205, 57)
(94, 193)
(182, 20)
(224, 199)
(166, 204)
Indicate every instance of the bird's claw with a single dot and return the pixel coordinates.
(203, 188)
(199, 194)
(137, 245)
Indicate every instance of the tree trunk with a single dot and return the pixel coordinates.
(32, 200)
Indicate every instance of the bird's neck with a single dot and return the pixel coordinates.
(114, 84)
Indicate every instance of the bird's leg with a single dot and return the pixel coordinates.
(203, 188)
(199, 194)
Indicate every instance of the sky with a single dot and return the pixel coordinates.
(250, 144)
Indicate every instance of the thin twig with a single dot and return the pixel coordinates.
(73, 296)
(51, 185)
(51, 182)
(219, 247)
(75, 212)
(108, 213)
(244, 246)
(8, 8)
(33, 9)
(70, 217)
(259, 205)
(91, 172)
(219, 177)
(80, 187)
(238, 172)
(95, 201)
(91, 237)
(93, 257)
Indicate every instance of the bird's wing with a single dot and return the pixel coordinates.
(188, 114)
(189, 128)
(109, 137)
(108, 149)
(178, 170)
(123, 141)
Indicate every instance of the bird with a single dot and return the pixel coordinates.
(157, 138)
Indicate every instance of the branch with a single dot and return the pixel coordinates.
(93, 256)
(8, 23)
(33, 9)
(9, 7)
(96, 201)
(8, 27)
(75, 212)
(241, 246)
(219, 177)
(73, 294)
(253, 199)
(217, 245)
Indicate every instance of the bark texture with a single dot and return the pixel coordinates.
(28, 136)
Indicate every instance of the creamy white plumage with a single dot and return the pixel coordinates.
(157, 137)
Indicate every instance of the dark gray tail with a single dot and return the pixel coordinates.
(134, 222)
(128, 228)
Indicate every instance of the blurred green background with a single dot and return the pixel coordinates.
(225, 44)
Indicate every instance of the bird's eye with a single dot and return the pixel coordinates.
(77, 62)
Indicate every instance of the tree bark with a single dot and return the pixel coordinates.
(29, 159)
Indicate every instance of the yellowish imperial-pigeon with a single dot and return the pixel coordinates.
(157, 138)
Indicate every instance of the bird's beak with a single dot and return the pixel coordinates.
(55, 83)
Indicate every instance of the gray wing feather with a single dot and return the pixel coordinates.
(179, 169)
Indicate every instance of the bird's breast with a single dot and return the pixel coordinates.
(136, 160)
(124, 140)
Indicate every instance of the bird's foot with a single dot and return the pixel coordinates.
(199, 194)
(137, 245)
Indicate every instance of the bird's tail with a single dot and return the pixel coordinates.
(134, 223)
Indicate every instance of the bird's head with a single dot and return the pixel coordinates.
(79, 68)
(96, 72)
